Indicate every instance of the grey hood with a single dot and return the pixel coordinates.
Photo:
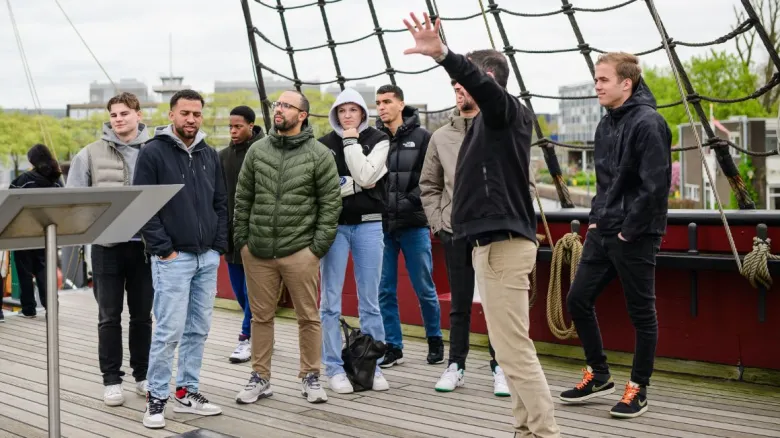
(110, 136)
(167, 131)
(349, 95)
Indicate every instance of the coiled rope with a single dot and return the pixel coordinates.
(755, 266)
(567, 251)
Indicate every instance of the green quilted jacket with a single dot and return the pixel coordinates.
(288, 197)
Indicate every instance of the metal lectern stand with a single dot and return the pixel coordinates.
(44, 218)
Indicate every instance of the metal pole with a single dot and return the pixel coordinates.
(52, 331)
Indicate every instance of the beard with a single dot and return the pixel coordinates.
(468, 105)
(183, 134)
(284, 125)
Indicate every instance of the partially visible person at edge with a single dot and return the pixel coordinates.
(436, 184)
(492, 208)
(243, 133)
(186, 239)
(361, 154)
(627, 219)
(405, 226)
(31, 263)
(110, 162)
(287, 208)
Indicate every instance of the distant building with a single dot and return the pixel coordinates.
(102, 92)
(170, 85)
(271, 83)
(53, 112)
(753, 134)
(577, 123)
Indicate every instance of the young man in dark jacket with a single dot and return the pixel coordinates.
(185, 239)
(627, 219)
(243, 133)
(492, 208)
(405, 226)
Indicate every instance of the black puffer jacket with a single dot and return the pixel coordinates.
(403, 207)
(633, 169)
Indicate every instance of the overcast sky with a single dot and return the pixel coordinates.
(130, 39)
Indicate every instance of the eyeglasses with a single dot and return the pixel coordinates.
(284, 106)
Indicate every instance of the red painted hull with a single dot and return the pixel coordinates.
(725, 331)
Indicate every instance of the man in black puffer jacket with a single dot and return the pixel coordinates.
(405, 226)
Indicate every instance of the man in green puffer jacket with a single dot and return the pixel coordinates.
(288, 201)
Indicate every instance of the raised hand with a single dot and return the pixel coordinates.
(426, 38)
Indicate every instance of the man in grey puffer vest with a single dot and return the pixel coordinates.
(110, 162)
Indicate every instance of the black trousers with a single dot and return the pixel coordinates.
(460, 273)
(604, 258)
(116, 269)
(31, 263)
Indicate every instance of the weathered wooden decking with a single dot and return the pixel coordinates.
(680, 407)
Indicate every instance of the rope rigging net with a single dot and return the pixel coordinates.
(567, 253)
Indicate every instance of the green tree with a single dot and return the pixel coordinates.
(717, 74)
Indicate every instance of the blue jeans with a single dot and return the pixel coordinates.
(416, 246)
(184, 291)
(238, 283)
(365, 243)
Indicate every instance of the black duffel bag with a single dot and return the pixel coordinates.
(360, 355)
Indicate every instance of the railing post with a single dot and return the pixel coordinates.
(575, 227)
(693, 250)
(761, 233)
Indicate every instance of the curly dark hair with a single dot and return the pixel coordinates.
(44, 161)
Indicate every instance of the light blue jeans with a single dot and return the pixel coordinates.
(415, 243)
(184, 291)
(366, 243)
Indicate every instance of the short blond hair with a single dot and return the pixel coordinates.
(626, 65)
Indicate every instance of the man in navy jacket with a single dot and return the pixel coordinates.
(185, 239)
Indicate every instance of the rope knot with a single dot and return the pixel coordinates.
(568, 9)
(585, 48)
(755, 266)
(297, 83)
(289, 49)
(378, 31)
(525, 94)
(390, 70)
(509, 50)
(693, 98)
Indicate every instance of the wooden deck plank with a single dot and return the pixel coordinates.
(680, 406)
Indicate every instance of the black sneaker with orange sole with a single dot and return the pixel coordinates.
(592, 385)
(633, 403)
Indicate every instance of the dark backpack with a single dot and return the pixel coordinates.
(360, 355)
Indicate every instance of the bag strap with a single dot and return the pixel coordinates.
(345, 328)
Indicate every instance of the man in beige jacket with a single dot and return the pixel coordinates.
(436, 185)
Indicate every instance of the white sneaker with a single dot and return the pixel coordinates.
(242, 353)
(141, 387)
(340, 384)
(311, 388)
(380, 383)
(256, 389)
(194, 403)
(112, 395)
(451, 378)
(154, 416)
(500, 387)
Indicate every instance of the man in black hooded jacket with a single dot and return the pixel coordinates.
(627, 219)
(405, 226)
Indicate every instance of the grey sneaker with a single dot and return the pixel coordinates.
(312, 389)
(256, 389)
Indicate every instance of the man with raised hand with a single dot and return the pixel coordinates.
(492, 208)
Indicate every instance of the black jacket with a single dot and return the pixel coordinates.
(195, 219)
(403, 207)
(633, 168)
(231, 158)
(368, 204)
(32, 179)
(491, 191)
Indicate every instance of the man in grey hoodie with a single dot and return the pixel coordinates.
(110, 162)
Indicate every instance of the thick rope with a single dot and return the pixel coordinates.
(755, 267)
(568, 251)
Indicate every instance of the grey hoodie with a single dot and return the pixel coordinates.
(167, 131)
(349, 95)
(79, 173)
